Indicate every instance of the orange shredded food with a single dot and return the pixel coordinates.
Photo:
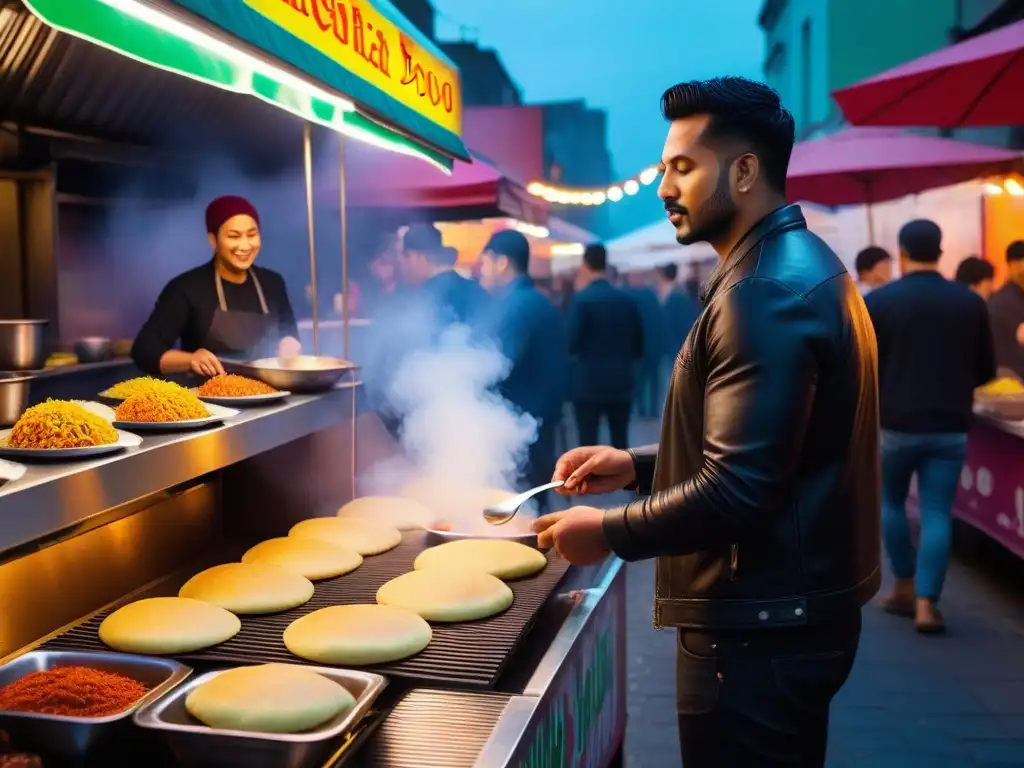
(231, 385)
(60, 424)
(72, 692)
(163, 407)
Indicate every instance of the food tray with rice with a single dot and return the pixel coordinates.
(168, 411)
(58, 430)
(234, 390)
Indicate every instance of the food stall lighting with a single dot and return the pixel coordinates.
(599, 197)
(235, 70)
(533, 230)
(1013, 187)
(615, 194)
(993, 189)
(631, 187)
(580, 196)
(648, 176)
(536, 188)
(567, 249)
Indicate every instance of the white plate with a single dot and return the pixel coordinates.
(9, 471)
(242, 401)
(218, 414)
(124, 440)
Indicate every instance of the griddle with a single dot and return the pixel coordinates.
(433, 728)
(465, 655)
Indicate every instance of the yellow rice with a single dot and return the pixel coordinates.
(143, 385)
(167, 406)
(60, 424)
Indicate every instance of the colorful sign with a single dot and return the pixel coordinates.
(366, 43)
(582, 719)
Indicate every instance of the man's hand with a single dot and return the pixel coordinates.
(1020, 334)
(205, 363)
(594, 469)
(576, 534)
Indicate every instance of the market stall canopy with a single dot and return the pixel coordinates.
(473, 191)
(359, 69)
(652, 246)
(871, 165)
(977, 82)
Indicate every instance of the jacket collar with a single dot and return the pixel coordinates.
(786, 217)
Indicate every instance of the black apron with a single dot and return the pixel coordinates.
(234, 333)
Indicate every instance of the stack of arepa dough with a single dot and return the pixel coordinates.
(453, 582)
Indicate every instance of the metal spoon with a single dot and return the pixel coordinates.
(499, 514)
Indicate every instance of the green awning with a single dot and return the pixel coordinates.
(174, 42)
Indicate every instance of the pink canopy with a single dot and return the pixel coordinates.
(977, 82)
(871, 165)
(379, 179)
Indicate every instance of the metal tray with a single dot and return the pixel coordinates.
(74, 737)
(195, 744)
(435, 537)
(302, 375)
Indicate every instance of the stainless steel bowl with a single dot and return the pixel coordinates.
(435, 536)
(14, 397)
(305, 373)
(21, 345)
(74, 737)
(94, 349)
(195, 744)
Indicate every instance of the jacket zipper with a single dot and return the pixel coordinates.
(734, 561)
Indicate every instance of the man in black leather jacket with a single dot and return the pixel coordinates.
(765, 491)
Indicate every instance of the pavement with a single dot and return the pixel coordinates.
(953, 701)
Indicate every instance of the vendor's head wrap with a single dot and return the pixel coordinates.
(223, 208)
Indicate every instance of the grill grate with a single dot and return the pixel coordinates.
(470, 655)
(442, 729)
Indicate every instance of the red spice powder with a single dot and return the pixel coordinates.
(72, 692)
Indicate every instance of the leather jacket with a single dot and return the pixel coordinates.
(766, 482)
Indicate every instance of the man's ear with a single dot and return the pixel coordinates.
(746, 168)
(213, 240)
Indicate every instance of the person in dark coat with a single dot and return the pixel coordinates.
(680, 310)
(1006, 310)
(649, 390)
(606, 338)
(530, 332)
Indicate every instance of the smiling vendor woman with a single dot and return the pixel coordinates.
(224, 308)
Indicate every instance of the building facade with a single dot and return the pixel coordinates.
(485, 81)
(814, 47)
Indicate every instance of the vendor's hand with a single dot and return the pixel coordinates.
(205, 363)
(576, 534)
(1020, 334)
(594, 469)
(289, 347)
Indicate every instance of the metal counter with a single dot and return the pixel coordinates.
(53, 498)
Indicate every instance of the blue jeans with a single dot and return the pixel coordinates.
(936, 459)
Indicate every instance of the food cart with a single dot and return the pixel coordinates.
(542, 684)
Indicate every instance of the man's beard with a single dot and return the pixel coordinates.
(715, 216)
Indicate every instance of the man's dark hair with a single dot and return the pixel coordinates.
(1015, 251)
(973, 270)
(669, 272)
(426, 239)
(595, 257)
(870, 257)
(513, 246)
(742, 110)
(921, 240)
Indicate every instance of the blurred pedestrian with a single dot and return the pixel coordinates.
(874, 269)
(765, 483)
(648, 387)
(1006, 309)
(934, 348)
(530, 332)
(606, 339)
(680, 311)
(977, 274)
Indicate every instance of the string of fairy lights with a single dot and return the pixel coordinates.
(593, 195)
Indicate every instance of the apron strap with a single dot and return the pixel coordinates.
(256, 283)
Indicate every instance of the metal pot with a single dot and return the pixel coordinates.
(94, 349)
(14, 392)
(21, 345)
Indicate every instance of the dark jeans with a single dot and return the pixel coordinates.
(760, 699)
(541, 461)
(588, 421)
